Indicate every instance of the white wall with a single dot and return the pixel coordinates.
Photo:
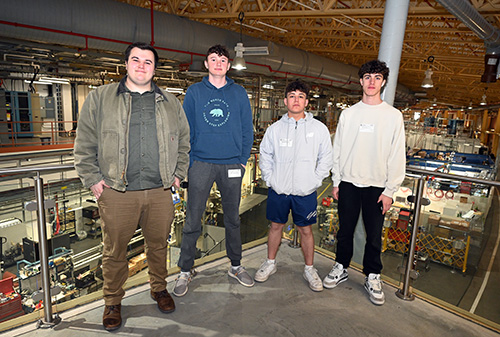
(66, 106)
(83, 92)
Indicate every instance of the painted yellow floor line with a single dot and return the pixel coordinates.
(319, 196)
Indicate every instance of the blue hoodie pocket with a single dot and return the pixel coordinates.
(216, 145)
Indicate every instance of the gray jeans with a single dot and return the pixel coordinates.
(201, 176)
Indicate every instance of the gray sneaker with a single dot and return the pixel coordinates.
(181, 284)
(242, 276)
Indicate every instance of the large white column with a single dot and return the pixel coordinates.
(391, 43)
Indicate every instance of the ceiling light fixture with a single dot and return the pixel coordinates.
(427, 82)
(9, 222)
(54, 80)
(36, 82)
(175, 90)
(483, 100)
(239, 62)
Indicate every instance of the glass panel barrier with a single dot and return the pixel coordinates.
(455, 241)
(74, 237)
(452, 251)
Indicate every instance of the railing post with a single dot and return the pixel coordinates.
(44, 257)
(295, 240)
(405, 293)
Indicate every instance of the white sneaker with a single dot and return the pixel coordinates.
(311, 276)
(373, 286)
(336, 276)
(267, 268)
(181, 284)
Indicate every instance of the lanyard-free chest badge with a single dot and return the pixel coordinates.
(366, 128)
(286, 142)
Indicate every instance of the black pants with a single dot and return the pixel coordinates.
(352, 199)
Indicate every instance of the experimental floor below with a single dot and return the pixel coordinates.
(217, 305)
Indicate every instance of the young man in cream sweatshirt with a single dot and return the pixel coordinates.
(368, 167)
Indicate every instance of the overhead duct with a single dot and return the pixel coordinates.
(470, 17)
(111, 25)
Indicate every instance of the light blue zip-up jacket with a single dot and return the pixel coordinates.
(295, 156)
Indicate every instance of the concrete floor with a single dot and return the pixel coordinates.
(216, 305)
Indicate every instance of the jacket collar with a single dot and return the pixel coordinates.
(122, 88)
(290, 120)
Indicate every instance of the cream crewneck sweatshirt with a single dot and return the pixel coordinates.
(369, 147)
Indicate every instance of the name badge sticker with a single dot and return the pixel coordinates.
(285, 142)
(370, 128)
(234, 173)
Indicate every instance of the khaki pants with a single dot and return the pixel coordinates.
(120, 213)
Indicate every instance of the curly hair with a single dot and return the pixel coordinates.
(374, 67)
(297, 85)
(142, 46)
(219, 50)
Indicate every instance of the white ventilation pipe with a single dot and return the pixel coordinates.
(111, 25)
(391, 43)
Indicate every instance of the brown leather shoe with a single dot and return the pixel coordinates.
(112, 317)
(165, 301)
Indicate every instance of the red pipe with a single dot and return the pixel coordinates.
(15, 24)
(152, 25)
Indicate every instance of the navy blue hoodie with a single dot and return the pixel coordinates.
(220, 121)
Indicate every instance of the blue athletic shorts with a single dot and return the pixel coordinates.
(303, 208)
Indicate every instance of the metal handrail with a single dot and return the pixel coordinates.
(37, 154)
(50, 320)
(452, 176)
(405, 293)
(37, 169)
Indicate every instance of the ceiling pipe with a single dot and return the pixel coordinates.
(470, 17)
(391, 43)
(88, 24)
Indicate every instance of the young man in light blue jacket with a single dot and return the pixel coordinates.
(295, 157)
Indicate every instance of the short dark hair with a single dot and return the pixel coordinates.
(374, 67)
(143, 46)
(297, 85)
(219, 50)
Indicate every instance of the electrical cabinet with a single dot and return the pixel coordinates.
(19, 112)
(4, 125)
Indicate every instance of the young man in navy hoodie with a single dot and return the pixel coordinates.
(220, 121)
